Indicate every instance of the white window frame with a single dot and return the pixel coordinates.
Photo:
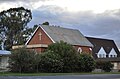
(79, 50)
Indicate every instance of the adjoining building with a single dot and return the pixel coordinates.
(4, 57)
(105, 50)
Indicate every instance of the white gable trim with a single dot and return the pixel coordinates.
(113, 53)
(32, 35)
(101, 53)
(35, 32)
(47, 35)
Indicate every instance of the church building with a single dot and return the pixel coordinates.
(45, 35)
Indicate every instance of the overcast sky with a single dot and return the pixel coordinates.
(95, 18)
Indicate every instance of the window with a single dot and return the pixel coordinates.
(90, 49)
(102, 56)
(112, 53)
(101, 53)
(80, 50)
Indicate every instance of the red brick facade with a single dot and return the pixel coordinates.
(44, 38)
(85, 49)
(36, 40)
(38, 49)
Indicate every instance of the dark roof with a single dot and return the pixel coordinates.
(71, 36)
(107, 45)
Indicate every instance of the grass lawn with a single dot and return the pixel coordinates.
(49, 74)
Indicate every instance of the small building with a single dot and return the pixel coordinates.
(4, 57)
(45, 35)
(105, 50)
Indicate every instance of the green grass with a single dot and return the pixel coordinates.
(50, 74)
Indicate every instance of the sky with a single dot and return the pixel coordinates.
(93, 18)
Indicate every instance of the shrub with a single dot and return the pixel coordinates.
(22, 60)
(118, 70)
(67, 54)
(86, 63)
(104, 65)
(59, 57)
(50, 62)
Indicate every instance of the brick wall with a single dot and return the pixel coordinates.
(36, 38)
(38, 49)
(85, 49)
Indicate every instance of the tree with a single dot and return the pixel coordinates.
(27, 33)
(71, 59)
(12, 25)
(50, 62)
(68, 54)
(45, 23)
(86, 63)
(23, 60)
(104, 65)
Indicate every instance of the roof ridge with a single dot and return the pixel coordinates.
(60, 27)
(32, 35)
(99, 38)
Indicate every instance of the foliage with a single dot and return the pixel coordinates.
(86, 63)
(59, 57)
(119, 70)
(67, 53)
(12, 25)
(50, 62)
(28, 33)
(104, 65)
(45, 23)
(23, 60)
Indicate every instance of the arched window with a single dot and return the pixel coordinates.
(90, 49)
(79, 50)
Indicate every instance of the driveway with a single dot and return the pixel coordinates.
(95, 76)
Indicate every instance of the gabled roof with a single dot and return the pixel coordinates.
(107, 44)
(57, 34)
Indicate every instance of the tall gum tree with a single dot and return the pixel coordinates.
(12, 26)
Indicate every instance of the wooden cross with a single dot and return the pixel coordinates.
(40, 36)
